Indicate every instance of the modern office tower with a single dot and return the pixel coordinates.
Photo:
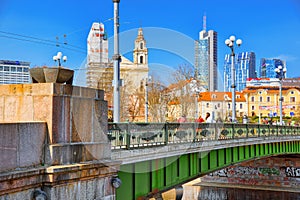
(244, 68)
(206, 68)
(268, 66)
(14, 72)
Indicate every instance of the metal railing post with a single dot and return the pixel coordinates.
(233, 132)
(166, 133)
(128, 136)
(216, 131)
(247, 131)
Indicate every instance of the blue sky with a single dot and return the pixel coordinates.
(270, 28)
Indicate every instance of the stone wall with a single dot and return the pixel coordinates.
(79, 181)
(54, 143)
(22, 145)
(277, 172)
(76, 118)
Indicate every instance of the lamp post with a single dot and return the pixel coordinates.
(230, 43)
(260, 96)
(116, 61)
(195, 89)
(58, 58)
(280, 71)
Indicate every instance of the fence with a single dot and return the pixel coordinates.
(139, 135)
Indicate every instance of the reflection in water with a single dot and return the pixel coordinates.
(219, 193)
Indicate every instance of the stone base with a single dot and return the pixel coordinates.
(87, 181)
(76, 119)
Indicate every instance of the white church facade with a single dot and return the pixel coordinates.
(134, 73)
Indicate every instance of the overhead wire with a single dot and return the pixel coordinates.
(42, 41)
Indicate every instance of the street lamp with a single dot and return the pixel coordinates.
(58, 58)
(260, 96)
(195, 89)
(280, 71)
(116, 61)
(230, 43)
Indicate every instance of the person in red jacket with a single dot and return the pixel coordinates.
(200, 120)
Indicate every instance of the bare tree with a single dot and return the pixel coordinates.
(157, 101)
(183, 72)
(181, 91)
(132, 101)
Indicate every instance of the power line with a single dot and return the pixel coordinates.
(41, 41)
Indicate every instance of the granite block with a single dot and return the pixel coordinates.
(25, 108)
(96, 151)
(8, 159)
(2, 108)
(41, 89)
(10, 109)
(31, 144)
(82, 113)
(5, 90)
(100, 122)
(58, 154)
(77, 152)
(61, 119)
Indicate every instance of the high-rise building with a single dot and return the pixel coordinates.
(97, 58)
(14, 72)
(206, 59)
(244, 69)
(268, 66)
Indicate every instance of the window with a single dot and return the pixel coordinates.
(238, 96)
(219, 105)
(141, 45)
(292, 92)
(282, 99)
(268, 99)
(241, 106)
(207, 105)
(19, 69)
(13, 69)
(229, 106)
(260, 99)
(253, 108)
(141, 59)
(292, 99)
(25, 69)
(6, 68)
(252, 99)
(214, 96)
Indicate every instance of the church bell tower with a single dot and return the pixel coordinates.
(140, 52)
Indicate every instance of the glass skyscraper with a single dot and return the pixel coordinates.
(14, 72)
(244, 68)
(206, 59)
(268, 66)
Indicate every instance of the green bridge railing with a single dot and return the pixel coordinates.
(140, 135)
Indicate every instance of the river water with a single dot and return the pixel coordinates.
(197, 190)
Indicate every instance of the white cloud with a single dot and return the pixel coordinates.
(287, 58)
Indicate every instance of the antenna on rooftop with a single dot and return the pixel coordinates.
(204, 22)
